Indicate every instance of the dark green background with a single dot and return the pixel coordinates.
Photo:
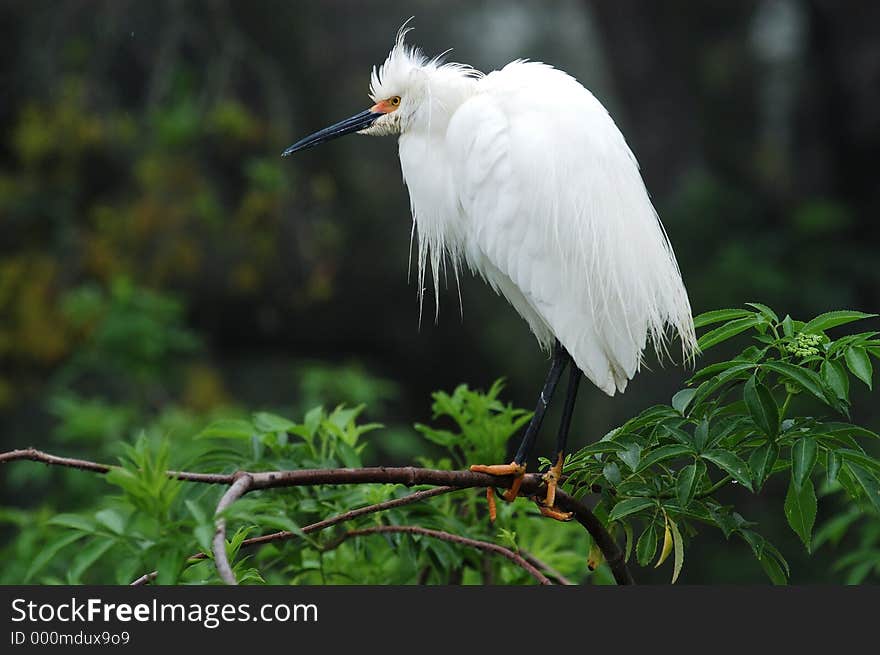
(139, 150)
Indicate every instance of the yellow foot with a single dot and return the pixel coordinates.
(514, 469)
(548, 506)
(553, 513)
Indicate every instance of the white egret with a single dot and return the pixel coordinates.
(522, 176)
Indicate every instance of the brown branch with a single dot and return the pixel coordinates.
(320, 525)
(348, 516)
(543, 566)
(35, 455)
(238, 489)
(487, 546)
(149, 577)
(406, 475)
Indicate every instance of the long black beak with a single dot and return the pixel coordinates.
(354, 124)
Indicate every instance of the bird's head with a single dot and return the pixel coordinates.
(409, 92)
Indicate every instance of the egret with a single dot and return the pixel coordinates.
(522, 175)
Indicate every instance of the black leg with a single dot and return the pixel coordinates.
(560, 359)
(554, 473)
(517, 468)
(574, 379)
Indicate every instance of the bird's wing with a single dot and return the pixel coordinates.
(554, 201)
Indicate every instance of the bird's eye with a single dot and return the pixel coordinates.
(394, 100)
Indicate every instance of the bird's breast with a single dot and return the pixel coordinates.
(433, 199)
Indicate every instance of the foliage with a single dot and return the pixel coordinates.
(153, 523)
(485, 424)
(664, 471)
(778, 410)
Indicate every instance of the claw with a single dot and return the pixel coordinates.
(548, 506)
(514, 469)
(553, 513)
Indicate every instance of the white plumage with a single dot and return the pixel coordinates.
(523, 176)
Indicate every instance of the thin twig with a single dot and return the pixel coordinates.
(348, 516)
(406, 475)
(543, 566)
(238, 489)
(146, 577)
(35, 455)
(320, 525)
(453, 538)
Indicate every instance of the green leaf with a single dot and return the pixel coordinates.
(598, 448)
(630, 506)
(805, 378)
(773, 570)
(227, 429)
(681, 400)
(761, 462)
(661, 454)
(628, 531)
(726, 331)
(198, 513)
(835, 528)
(867, 482)
(611, 471)
(678, 546)
(701, 435)
(87, 556)
(719, 367)
(74, 521)
(832, 465)
(348, 455)
(860, 458)
(170, 564)
(848, 429)
(712, 385)
(835, 377)
(266, 422)
(204, 533)
(647, 545)
(112, 520)
(762, 407)
(686, 485)
(441, 437)
(833, 319)
(800, 509)
(803, 458)
(45, 555)
(858, 362)
(768, 313)
(726, 460)
(631, 455)
(719, 315)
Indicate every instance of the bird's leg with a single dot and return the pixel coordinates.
(517, 467)
(552, 476)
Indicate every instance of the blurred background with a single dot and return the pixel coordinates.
(161, 265)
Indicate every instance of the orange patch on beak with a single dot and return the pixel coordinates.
(382, 107)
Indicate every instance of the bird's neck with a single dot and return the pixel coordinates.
(444, 92)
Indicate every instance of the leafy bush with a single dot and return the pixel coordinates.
(780, 408)
(660, 472)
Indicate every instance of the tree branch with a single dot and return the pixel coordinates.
(286, 535)
(406, 475)
(238, 489)
(543, 566)
(35, 455)
(348, 516)
(487, 546)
